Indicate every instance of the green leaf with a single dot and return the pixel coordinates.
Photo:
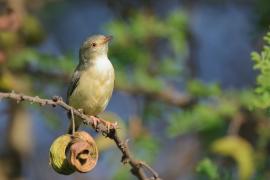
(147, 82)
(262, 64)
(208, 168)
(122, 173)
(201, 118)
(199, 89)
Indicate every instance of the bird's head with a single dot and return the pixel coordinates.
(94, 46)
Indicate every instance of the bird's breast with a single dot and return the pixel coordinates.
(95, 88)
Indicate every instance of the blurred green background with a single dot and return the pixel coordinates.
(192, 90)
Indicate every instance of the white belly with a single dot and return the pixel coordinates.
(94, 88)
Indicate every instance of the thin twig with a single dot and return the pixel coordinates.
(73, 122)
(137, 167)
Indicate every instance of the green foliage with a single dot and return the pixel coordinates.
(40, 61)
(168, 66)
(147, 82)
(202, 117)
(135, 49)
(199, 89)
(122, 173)
(207, 168)
(262, 64)
(246, 98)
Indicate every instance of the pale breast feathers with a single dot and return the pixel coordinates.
(94, 88)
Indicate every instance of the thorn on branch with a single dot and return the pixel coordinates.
(124, 145)
(57, 98)
(22, 98)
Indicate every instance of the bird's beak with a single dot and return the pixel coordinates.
(107, 39)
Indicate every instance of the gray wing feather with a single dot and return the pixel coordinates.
(74, 83)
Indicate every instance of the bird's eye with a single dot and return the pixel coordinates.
(94, 44)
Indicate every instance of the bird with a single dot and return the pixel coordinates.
(92, 82)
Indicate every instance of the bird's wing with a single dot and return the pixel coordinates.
(74, 83)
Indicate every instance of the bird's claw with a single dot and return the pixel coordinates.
(107, 124)
(95, 121)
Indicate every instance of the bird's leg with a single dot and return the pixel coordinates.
(107, 124)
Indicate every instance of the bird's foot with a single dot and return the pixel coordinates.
(107, 124)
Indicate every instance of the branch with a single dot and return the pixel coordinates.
(138, 168)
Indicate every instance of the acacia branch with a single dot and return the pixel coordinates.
(138, 167)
